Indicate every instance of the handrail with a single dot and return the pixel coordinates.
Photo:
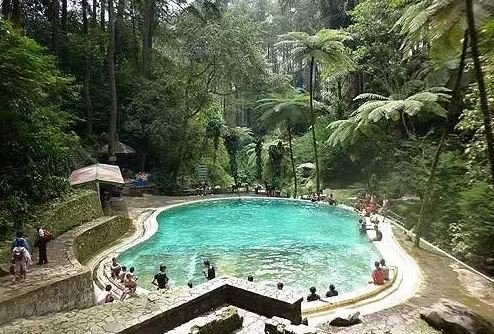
(443, 252)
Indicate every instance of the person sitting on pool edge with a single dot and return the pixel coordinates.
(115, 268)
(332, 291)
(209, 271)
(313, 295)
(160, 279)
(379, 234)
(385, 269)
(377, 276)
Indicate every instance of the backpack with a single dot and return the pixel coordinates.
(47, 235)
(18, 254)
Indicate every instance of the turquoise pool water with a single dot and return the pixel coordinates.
(298, 243)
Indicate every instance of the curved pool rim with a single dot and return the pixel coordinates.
(147, 227)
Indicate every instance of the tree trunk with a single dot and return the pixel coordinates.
(294, 170)
(87, 98)
(87, 77)
(484, 106)
(64, 16)
(113, 88)
(454, 105)
(102, 15)
(15, 14)
(147, 37)
(313, 123)
(55, 23)
(119, 27)
(84, 18)
(6, 8)
(93, 14)
(142, 160)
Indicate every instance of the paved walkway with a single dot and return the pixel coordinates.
(58, 266)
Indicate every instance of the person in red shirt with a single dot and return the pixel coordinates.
(378, 275)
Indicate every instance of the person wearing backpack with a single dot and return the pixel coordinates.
(42, 238)
(19, 241)
(20, 260)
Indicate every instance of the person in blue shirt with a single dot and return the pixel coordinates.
(19, 241)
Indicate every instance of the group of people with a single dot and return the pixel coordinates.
(380, 274)
(20, 252)
(128, 279)
(313, 296)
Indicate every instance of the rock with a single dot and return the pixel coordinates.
(224, 323)
(346, 321)
(274, 326)
(454, 318)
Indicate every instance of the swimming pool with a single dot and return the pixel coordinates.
(295, 242)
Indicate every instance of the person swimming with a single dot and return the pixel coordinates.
(313, 295)
(332, 291)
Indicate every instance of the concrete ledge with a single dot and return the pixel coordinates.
(214, 294)
(68, 293)
(354, 297)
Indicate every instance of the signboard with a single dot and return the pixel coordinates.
(202, 174)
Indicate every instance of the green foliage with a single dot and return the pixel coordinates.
(378, 108)
(37, 148)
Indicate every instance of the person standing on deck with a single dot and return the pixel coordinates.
(41, 242)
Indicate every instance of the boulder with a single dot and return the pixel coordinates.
(346, 321)
(226, 322)
(454, 318)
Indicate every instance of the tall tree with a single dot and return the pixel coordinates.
(87, 76)
(147, 36)
(479, 76)
(93, 14)
(113, 89)
(54, 10)
(286, 111)
(441, 23)
(15, 14)
(64, 16)
(102, 15)
(325, 47)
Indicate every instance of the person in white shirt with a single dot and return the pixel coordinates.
(106, 296)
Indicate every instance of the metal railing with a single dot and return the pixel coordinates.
(397, 220)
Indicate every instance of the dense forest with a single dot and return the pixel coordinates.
(393, 96)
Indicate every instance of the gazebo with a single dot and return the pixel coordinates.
(98, 173)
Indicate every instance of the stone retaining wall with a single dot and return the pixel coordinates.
(94, 237)
(61, 217)
(74, 292)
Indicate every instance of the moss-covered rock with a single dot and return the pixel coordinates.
(225, 323)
